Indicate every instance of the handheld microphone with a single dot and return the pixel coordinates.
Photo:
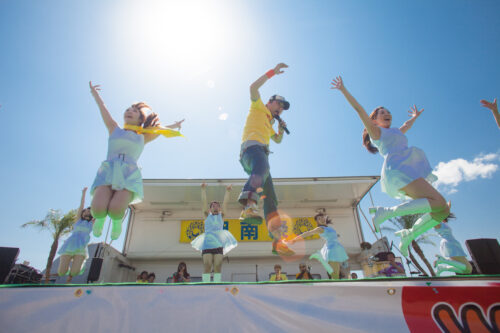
(278, 118)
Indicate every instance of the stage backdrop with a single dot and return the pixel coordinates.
(375, 306)
(244, 232)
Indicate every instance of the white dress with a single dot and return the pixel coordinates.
(214, 236)
(402, 164)
(450, 247)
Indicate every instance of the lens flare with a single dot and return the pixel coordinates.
(286, 231)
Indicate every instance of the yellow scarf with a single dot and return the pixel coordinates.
(166, 132)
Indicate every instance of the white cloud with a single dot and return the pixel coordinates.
(223, 116)
(211, 83)
(451, 174)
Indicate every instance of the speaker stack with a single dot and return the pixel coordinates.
(485, 253)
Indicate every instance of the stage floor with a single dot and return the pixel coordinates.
(365, 305)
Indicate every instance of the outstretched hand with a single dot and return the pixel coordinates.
(279, 67)
(178, 124)
(414, 112)
(337, 83)
(94, 89)
(490, 105)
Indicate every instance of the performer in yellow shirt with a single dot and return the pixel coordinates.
(254, 158)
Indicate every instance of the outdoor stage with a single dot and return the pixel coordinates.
(374, 305)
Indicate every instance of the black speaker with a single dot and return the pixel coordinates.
(95, 269)
(485, 253)
(8, 257)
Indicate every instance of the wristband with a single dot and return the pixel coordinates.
(270, 73)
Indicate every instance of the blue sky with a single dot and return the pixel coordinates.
(196, 60)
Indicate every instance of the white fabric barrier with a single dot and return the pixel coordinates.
(385, 306)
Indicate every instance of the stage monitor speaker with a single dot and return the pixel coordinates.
(8, 257)
(95, 269)
(485, 253)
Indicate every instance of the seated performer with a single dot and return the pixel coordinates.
(142, 278)
(278, 276)
(395, 267)
(74, 249)
(182, 274)
(304, 273)
(215, 241)
(453, 257)
(332, 254)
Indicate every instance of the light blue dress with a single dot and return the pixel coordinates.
(214, 236)
(76, 244)
(120, 168)
(332, 250)
(402, 164)
(449, 246)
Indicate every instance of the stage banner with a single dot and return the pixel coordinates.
(243, 232)
(430, 306)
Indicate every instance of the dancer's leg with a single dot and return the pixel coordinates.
(63, 264)
(336, 269)
(218, 263)
(117, 206)
(255, 162)
(460, 264)
(99, 207)
(420, 188)
(76, 265)
(382, 214)
(271, 208)
(208, 260)
(417, 189)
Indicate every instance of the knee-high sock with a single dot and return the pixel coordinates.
(460, 267)
(98, 225)
(382, 214)
(205, 277)
(423, 224)
(449, 268)
(116, 229)
(323, 263)
(217, 277)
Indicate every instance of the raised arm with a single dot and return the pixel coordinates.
(226, 199)
(204, 204)
(373, 130)
(317, 230)
(148, 137)
(494, 109)
(106, 117)
(254, 87)
(414, 113)
(82, 203)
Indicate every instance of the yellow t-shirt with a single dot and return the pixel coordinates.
(282, 276)
(258, 125)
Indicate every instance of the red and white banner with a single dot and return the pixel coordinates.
(352, 306)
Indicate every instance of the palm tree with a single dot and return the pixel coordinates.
(406, 222)
(59, 225)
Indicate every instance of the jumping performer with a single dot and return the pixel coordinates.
(118, 182)
(74, 249)
(254, 159)
(332, 254)
(405, 173)
(453, 257)
(215, 241)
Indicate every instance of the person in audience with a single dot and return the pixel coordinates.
(151, 278)
(394, 268)
(182, 274)
(354, 276)
(304, 273)
(278, 276)
(143, 277)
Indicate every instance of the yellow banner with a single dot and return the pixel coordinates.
(243, 232)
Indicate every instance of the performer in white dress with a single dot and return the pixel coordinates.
(405, 173)
(215, 241)
(332, 254)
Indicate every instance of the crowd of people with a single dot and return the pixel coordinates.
(406, 175)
